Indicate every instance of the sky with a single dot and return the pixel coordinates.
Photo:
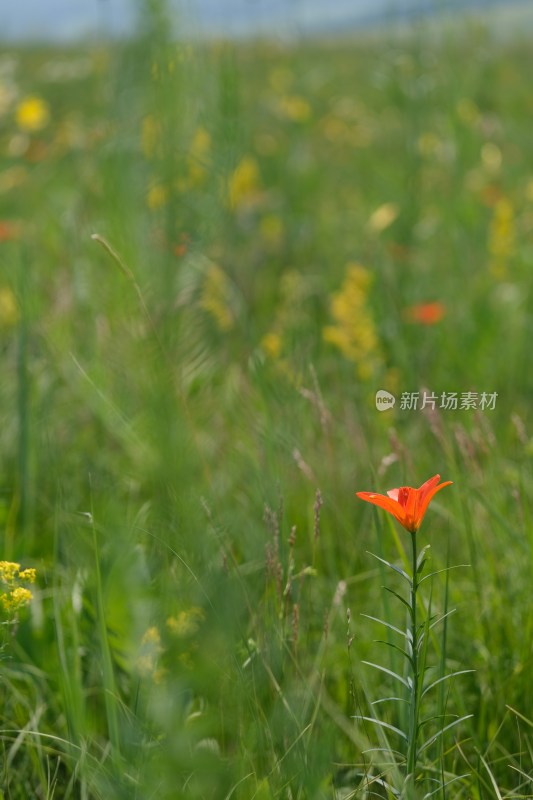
(67, 20)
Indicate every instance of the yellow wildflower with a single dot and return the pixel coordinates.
(244, 184)
(8, 571)
(157, 197)
(18, 596)
(491, 156)
(150, 136)
(186, 623)
(150, 650)
(271, 344)
(383, 217)
(216, 297)
(354, 332)
(186, 661)
(29, 575)
(198, 160)
(501, 237)
(151, 637)
(468, 112)
(271, 230)
(32, 114)
(295, 108)
(428, 144)
(16, 599)
(294, 291)
(145, 664)
(9, 312)
(334, 129)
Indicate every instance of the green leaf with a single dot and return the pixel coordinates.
(399, 570)
(388, 750)
(421, 560)
(438, 572)
(448, 613)
(520, 716)
(388, 672)
(421, 643)
(395, 647)
(383, 725)
(444, 785)
(492, 778)
(386, 700)
(445, 678)
(400, 598)
(434, 738)
(369, 780)
(387, 624)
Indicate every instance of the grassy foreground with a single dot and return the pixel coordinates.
(211, 259)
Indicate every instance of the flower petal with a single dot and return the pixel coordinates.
(390, 505)
(427, 486)
(429, 495)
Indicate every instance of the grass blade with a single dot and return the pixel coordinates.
(436, 736)
(399, 570)
(387, 624)
(445, 678)
(382, 724)
(388, 672)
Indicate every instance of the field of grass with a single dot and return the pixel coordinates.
(211, 259)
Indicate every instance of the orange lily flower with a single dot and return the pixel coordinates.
(425, 313)
(408, 505)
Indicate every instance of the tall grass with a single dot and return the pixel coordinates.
(209, 258)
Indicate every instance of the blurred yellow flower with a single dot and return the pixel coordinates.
(32, 114)
(16, 599)
(9, 311)
(8, 571)
(186, 623)
(428, 144)
(341, 131)
(18, 596)
(198, 160)
(294, 290)
(354, 332)
(271, 344)
(150, 651)
(491, 156)
(383, 217)
(29, 575)
(295, 108)
(157, 197)
(501, 243)
(271, 230)
(151, 636)
(334, 129)
(150, 135)
(244, 184)
(468, 112)
(216, 297)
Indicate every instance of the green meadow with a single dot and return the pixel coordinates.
(212, 256)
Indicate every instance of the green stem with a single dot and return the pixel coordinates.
(413, 720)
